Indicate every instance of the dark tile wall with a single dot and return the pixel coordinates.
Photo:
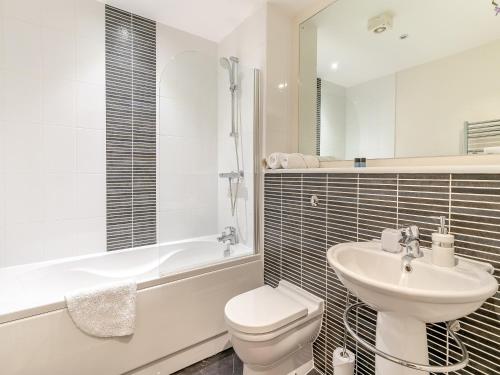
(356, 207)
(130, 129)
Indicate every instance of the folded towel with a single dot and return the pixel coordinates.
(293, 161)
(311, 161)
(105, 310)
(326, 158)
(492, 150)
(274, 160)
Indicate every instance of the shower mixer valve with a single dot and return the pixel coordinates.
(230, 237)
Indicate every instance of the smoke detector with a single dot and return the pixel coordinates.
(380, 23)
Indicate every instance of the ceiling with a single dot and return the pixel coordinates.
(435, 29)
(210, 19)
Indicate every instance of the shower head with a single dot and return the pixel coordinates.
(224, 62)
(229, 66)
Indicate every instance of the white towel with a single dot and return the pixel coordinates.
(311, 161)
(293, 161)
(492, 150)
(104, 311)
(274, 160)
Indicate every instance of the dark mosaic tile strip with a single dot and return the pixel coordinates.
(358, 208)
(130, 129)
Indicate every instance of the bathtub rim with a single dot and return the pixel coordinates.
(141, 286)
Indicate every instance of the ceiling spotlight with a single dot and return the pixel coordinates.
(334, 66)
(380, 23)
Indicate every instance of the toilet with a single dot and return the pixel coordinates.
(272, 329)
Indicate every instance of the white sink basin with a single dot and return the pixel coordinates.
(429, 293)
(405, 301)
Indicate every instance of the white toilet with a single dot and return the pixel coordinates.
(272, 330)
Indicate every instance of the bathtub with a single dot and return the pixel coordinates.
(182, 289)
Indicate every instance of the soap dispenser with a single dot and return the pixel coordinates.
(443, 249)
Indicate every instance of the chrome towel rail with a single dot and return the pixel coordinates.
(451, 328)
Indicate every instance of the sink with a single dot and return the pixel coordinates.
(405, 301)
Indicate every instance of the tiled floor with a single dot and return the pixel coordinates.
(225, 363)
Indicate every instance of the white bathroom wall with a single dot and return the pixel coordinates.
(187, 132)
(333, 119)
(248, 43)
(370, 119)
(307, 92)
(456, 98)
(52, 130)
(278, 135)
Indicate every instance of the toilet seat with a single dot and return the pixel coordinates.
(265, 312)
(262, 310)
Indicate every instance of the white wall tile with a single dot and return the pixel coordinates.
(25, 197)
(47, 209)
(2, 201)
(2, 246)
(20, 97)
(58, 54)
(90, 235)
(22, 46)
(186, 223)
(59, 14)
(90, 19)
(60, 196)
(59, 102)
(20, 146)
(90, 57)
(91, 195)
(91, 106)
(23, 243)
(59, 239)
(186, 191)
(24, 10)
(59, 149)
(91, 151)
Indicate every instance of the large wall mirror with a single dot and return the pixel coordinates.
(400, 78)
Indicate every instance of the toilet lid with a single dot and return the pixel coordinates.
(262, 310)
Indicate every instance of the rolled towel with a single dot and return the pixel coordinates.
(293, 161)
(343, 365)
(311, 161)
(104, 311)
(491, 150)
(274, 160)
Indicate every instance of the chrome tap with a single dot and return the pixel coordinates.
(229, 236)
(411, 244)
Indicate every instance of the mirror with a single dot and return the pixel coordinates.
(400, 78)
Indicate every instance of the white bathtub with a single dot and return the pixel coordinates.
(183, 287)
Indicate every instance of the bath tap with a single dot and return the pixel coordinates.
(411, 244)
(228, 235)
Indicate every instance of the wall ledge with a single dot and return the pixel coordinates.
(397, 169)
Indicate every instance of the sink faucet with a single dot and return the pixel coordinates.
(228, 236)
(411, 243)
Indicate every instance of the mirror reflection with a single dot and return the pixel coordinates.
(400, 78)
